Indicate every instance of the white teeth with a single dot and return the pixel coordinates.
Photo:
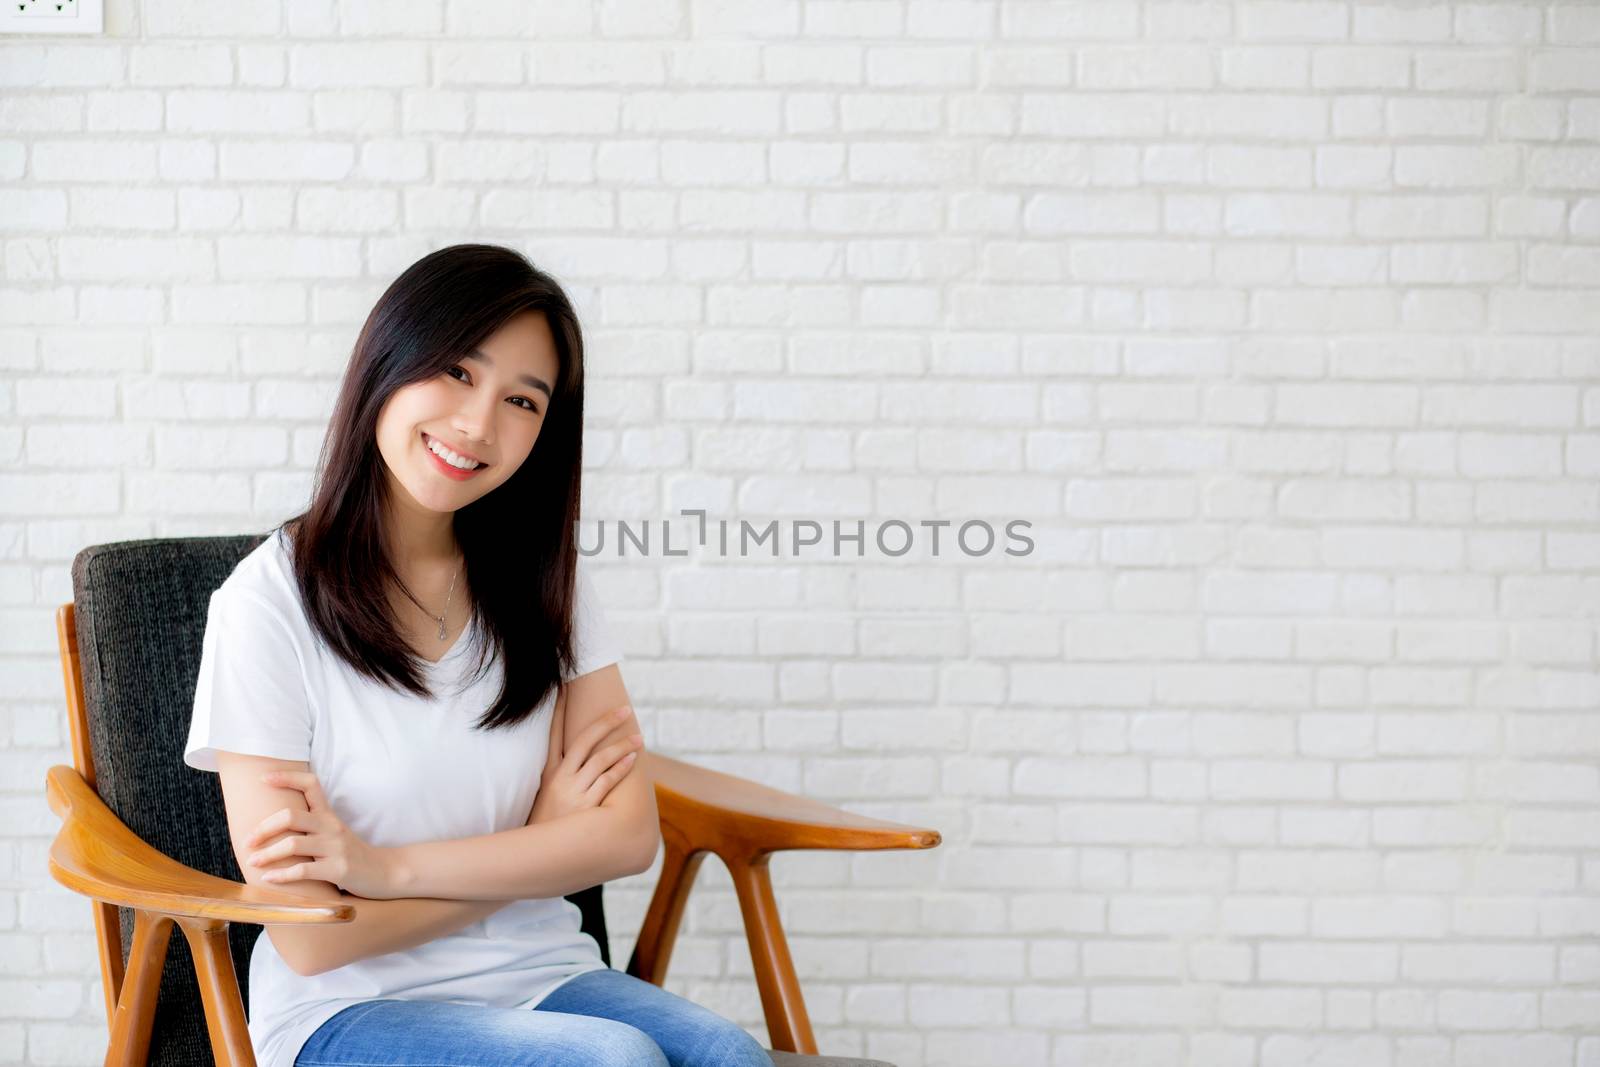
(454, 459)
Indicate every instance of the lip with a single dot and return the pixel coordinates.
(444, 468)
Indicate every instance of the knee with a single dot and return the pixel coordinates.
(728, 1045)
(581, 1041)
(621, 1045)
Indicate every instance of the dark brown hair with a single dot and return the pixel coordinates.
(519, 538)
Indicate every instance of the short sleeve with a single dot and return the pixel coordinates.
(593, 643)
(250, 696)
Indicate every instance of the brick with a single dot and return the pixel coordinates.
(1348, 68)
(1446, 167)
(1145, 66)
(1277, 20)
(1565, 70)
(1266, 67)
(1467, 71)
(1322, 961)
(1479, 23)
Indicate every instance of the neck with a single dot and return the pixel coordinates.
(418, 536)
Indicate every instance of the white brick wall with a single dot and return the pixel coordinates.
(1277, 319)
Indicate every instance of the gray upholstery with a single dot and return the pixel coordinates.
(141, 617)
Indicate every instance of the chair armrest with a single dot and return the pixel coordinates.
(722, 813)
(704, 811)
(97, 855)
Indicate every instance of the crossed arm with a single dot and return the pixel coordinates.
(452, 884)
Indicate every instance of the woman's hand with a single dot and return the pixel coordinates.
(334, 852)
(582, 775)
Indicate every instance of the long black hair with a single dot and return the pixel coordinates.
(519, 539)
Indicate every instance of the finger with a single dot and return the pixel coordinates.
(316, 799)
(624, 715)
(618, 735)
(305, 781)
(276, 823)
(591, 737)
(623, 730)
(294, 845)
(294, 873)
(289, 820)
(262, 857)
(605, 758)
(606, 781)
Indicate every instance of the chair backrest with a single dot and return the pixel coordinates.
(141, 612)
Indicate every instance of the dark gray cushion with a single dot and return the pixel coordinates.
(795, 1059)
(141, 617)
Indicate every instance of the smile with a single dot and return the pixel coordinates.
(450, 463)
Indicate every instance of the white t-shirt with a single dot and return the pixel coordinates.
(396, 769)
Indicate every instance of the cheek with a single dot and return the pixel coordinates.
(516, 450)
(526, 439)
(391, 439)
(402, 413)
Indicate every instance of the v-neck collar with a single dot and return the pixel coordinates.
(455, 648)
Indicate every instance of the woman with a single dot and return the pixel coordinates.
(411, 697)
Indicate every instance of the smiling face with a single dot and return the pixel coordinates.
(449, 440)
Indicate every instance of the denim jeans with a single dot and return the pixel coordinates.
(599, 1019)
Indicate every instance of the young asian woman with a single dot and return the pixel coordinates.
(412, 697)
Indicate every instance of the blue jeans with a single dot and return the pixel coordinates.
(599, 1019)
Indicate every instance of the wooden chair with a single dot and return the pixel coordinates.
(145, 837)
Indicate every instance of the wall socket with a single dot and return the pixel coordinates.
(51, 16)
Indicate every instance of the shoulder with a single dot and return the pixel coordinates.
(585, 596)
(583, 570)
(263, 584)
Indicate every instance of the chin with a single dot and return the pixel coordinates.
(440, 499)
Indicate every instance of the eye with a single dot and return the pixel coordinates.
(529, 405)
(458, 367)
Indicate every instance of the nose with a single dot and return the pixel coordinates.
(474, 419)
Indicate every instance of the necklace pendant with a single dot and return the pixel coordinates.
(441, 629)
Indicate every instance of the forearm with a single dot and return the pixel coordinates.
(379, 927)
(544, 859)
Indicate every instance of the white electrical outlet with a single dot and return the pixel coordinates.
(52, 16)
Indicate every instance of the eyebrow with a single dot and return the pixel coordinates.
(526, 379)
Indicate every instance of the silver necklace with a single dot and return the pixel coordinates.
(438, 618)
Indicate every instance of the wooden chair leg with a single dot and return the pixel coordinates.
(108, 939)
(653, 950)
(788, 1024)
(219, 992)
(135, 1014)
